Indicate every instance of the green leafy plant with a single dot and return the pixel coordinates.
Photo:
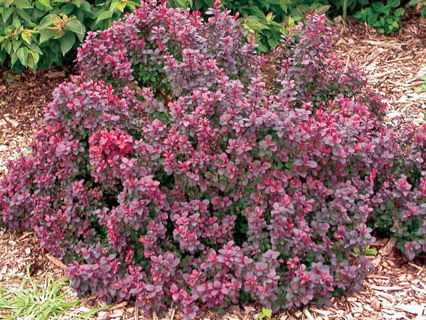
(266, 30)
(384, 17)
(41, 301)
(266, 313)
(365, 252)
(106, 13)
(39, 33)
(266, 20)
(345, 7)
(422, 86)
(269, 28)
(269, 20)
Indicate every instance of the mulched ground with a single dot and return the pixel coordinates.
(22, 99)
(393, 64)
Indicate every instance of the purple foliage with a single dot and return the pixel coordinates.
(230, 183)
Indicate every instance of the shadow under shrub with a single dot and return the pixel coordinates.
(179, 168)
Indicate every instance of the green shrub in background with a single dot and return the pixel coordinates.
(269, 19)
(382, 16)
(39, 33)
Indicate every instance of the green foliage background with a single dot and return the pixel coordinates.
(39, 33)
(36, 34)
(270, 19)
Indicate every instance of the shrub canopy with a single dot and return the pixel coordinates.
(180, 168)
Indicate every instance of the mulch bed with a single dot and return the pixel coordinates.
(393, 64)
(22, 99)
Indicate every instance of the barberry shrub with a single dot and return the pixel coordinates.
(179, 168)
(400, 204)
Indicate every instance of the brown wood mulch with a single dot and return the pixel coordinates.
(394, 65)
(22, 99)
